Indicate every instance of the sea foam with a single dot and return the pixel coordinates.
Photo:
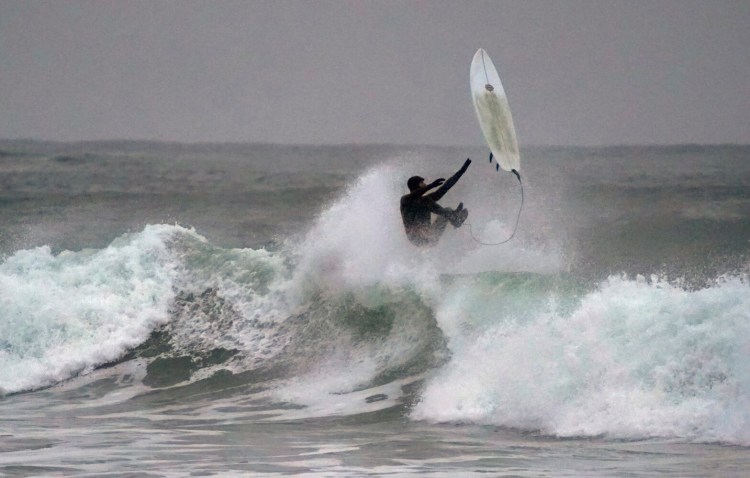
(63, 314)
(635, 358)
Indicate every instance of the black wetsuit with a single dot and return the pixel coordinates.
(416, 208)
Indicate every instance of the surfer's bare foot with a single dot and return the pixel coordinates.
(459, 216)
(462, 217)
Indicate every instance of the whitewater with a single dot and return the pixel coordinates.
(175, 310)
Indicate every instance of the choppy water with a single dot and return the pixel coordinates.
(175, 310)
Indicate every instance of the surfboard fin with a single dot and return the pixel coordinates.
(490, 156)
(497, 167)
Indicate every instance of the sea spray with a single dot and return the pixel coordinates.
(356, 270)
(359, 239)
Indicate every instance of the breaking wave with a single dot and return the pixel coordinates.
(503, 338)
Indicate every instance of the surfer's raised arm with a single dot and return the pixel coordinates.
(435, 196)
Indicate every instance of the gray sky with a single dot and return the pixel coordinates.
(576, 72)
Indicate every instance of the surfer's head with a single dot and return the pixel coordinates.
(415, 182)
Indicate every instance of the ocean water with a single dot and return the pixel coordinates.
(256, 310)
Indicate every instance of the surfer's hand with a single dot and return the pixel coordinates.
(437, 182)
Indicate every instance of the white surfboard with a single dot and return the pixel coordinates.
(493, 111)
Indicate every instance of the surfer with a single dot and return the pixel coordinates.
(416, 209)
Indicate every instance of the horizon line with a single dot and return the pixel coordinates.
(353, 143)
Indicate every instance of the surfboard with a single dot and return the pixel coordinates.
(493, 111)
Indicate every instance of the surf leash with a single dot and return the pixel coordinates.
(518, 216)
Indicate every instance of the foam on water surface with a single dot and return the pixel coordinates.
(63, 314)
(632, 359)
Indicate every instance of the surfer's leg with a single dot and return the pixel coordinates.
(437, 228)
(439, 193)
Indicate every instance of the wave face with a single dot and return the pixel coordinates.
(350, 318)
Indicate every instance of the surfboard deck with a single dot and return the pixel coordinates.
(493, 111)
